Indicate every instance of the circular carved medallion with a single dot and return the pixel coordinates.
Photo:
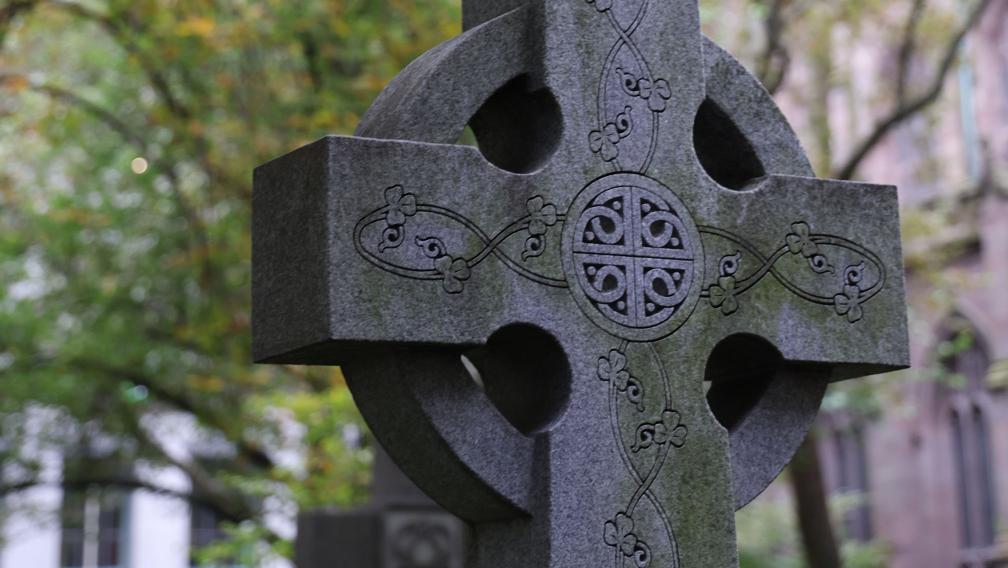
(632, 256)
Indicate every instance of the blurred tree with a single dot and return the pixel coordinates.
(128, 133)
(130, 129)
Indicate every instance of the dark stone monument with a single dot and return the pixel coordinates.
(399, 528)
(652, 287)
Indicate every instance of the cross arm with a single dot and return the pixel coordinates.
(384, 257)
(359, 241)
(814, 266)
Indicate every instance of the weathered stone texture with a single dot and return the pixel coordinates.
(639, 204)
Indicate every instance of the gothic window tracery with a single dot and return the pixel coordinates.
(967, 403)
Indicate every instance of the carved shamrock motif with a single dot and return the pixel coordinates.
(619, 533)
(669, 430)
(613, 369)
(848, 301)
(400, 205)
(800, 242)
(454, 271)
(656, 92)
(604, 142)
(542, 215)
(722, 295)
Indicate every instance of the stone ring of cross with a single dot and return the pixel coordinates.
(635, 265)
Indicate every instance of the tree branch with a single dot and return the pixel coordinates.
(132, 137)
(908, 108)
(310, 51)
(72, 99)
(907, 47)
(818, 538)
(771, 75)
(249, 451)
(230, 503)
(119, 32)
(129, 483)
(79, 483)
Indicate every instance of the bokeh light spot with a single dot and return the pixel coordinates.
(138, 165)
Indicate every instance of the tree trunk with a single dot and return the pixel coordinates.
(821, 550)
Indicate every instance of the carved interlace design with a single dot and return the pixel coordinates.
(627, 66)
(613, 369)
(847, 297)
(656, 436)
(634, 255)
(634, 259)
(451, 269)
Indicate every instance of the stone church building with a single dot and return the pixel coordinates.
(932, 469)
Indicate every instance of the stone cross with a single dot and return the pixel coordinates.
(636, 263)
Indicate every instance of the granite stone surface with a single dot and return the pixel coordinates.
(652, 290)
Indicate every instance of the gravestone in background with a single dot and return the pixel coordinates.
(400, 527)
(636, 260)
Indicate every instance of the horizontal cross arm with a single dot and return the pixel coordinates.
(813, 266)
(372, 241)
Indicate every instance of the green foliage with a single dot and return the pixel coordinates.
(128, 134)
(768, 536)
(246, 545)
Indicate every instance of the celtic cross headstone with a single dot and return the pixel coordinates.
(636, 263)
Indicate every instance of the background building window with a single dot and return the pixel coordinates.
(206, 522)
(111, 529)
(850, 476)
(968, 399)
(72, 535)
(94, 530)
(204, 527)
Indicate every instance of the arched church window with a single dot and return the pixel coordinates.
(846, 461)
(966, 365)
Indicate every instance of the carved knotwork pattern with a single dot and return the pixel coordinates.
(634, 255)
(654, 440)
(383, 232)
(740, 271)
